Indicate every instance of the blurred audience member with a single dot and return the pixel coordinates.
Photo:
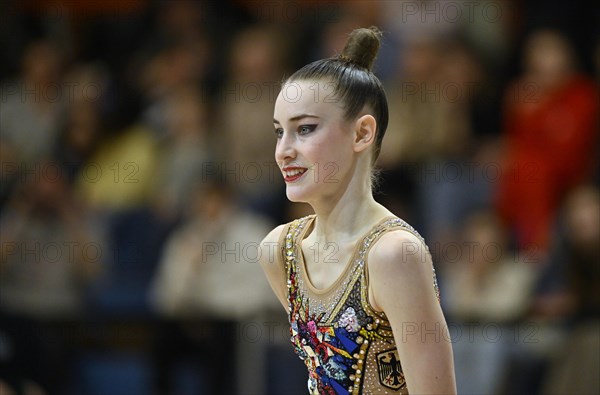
(215, 246)
(45, 237)
(185, 156)
(430, 138)
(565, 308)
(121, 173)
(487, 25)
(31, 113)
(180, 65)
(179, 21)
(578, 300)
(431, 101)
(583, 232)
(488, 287)
(551, 131)
(50, 252)
(244, 139)
(84, 125)
(490, 283)
(209, 275)
(411, 120)
(568, 285)
(32, 108)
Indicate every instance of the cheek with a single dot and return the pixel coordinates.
(330, 154)
(335, 146)
(327, 162)
(337, 161)
(326, 172)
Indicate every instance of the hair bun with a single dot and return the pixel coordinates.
(362, 47)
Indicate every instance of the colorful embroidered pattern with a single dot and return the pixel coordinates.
(347, 346)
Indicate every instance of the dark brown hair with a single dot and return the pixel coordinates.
(354, 82)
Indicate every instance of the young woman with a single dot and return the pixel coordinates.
(357, 282)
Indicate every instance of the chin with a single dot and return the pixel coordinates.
(297, 194)
(296, 198)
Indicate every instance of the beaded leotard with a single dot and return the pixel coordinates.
(346, 344)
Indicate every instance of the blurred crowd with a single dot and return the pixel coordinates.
(138, 177)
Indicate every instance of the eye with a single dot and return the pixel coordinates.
(306, 129)
(279, 132)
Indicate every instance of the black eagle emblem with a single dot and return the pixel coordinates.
(390, 369)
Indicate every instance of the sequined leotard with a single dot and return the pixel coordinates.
(346, 344)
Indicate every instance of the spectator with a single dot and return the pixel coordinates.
(185, 154)
(206, 274)
(550, 131)
(31, 113)
(488, 287)
(84, 126)
(244, 138)
(50, 253)
(572, 366)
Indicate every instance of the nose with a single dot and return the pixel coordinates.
(285, 149)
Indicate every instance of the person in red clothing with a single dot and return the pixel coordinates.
(550, 127)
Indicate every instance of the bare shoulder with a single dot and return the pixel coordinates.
(272, 263)
(398, 250)
(274, 234)
(400, 270)
(270, 246)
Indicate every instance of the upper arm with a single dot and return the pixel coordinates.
(401, 280)
(272, 264)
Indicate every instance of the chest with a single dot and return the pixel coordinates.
(325, 263)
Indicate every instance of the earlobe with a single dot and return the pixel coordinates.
(365, 130)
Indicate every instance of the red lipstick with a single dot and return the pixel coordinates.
(293, 173)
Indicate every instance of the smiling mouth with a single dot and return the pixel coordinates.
(291, 174)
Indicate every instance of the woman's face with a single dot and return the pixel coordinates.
(314, 142)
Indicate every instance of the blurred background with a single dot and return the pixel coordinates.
(138, 177)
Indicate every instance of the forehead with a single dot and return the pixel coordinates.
(307, 97)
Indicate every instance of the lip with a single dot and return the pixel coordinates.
(294, 177)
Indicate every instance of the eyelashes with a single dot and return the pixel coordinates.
(302, 130)
(306, 129)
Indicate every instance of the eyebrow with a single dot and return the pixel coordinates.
(296, 118)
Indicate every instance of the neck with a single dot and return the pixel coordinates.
(348, 214)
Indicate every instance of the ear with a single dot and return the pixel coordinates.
(365, 128)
